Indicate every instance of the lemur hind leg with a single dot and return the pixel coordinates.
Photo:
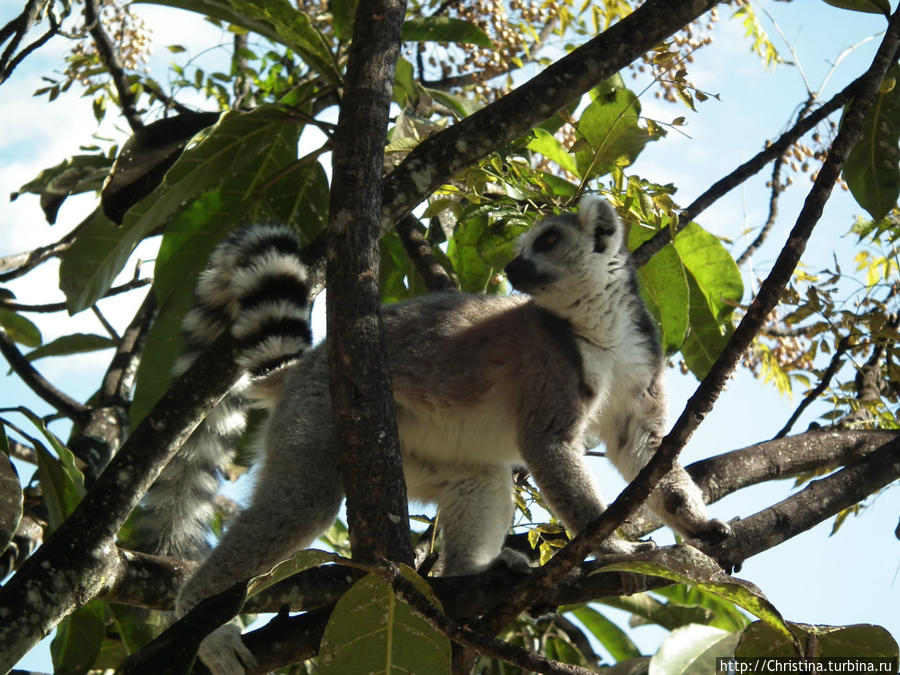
(297, 497)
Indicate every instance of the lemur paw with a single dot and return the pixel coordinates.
(617, 545)
(514, 561)
(714, 531)
(224, 653)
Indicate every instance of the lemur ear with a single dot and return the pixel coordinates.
(597, 216)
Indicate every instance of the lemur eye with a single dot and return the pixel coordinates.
(546, 241)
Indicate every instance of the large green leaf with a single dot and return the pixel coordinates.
(277, 20)
(227, 154)
(613, 638)
(685, 564)
(706, 337)
(871, 171)
(372, 631)
(609, 131)
(444, 29)
(78, 639)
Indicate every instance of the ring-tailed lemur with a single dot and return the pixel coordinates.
(481, 384)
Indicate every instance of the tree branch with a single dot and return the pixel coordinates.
(110, 58)
(441, 156)
(107, 425)
(64, 403)
(751, 167)
(419, 252)
(76, 563)
(820, 500)
(365, 419)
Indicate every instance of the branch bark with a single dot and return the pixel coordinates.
(365, 419)
(76, 563)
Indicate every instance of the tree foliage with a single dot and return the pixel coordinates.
(503, 113)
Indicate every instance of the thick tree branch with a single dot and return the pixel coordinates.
(365, 419)
(76, 563)
(820, 500)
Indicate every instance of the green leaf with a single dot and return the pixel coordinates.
(20, 329)
(726, 615)
(665, 290)
(89, 266)
(78, 639)
(706, 337)
(691, 650)
(372, 631)
(760, 639)
(81, 173)
(549, 146)
(61, 492)
(277, 20)
(11, 497)
(712, 267)
(613, 638)
(610, 134)
(685, 564)
(444, 29)
(871, 170)
(77, 343)
(870, 6)
(343, 13)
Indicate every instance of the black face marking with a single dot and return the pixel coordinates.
(601, 234)
(523, 274)
(550, 238)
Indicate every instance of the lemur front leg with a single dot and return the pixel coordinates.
(676, 499)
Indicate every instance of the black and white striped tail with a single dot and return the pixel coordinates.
(255, 286)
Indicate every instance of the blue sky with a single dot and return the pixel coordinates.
(811, 578)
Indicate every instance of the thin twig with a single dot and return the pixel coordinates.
(19, 264)
(110, 58)
(749, 168)
(67, 405)
(837, 360)
(61, 306)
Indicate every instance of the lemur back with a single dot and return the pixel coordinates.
(482, 385)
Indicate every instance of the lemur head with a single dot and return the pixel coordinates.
(564, 256)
